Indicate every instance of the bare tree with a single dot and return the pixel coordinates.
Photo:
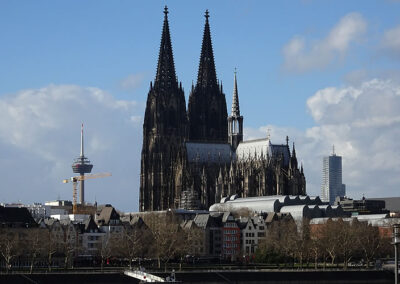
(192, 242)
(9, 246)
(34, 244)
(51, 249)
(347, 241)
(367, 239)
(109, 244)
(135, 242)
(315, 244)
(280, 241)
(331, 239)
(69, 244)
(166, 237)
(299, 239)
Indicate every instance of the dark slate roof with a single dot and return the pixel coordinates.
(90, 224)
(208, 220)
(16, 216)
(242, 222)
(209, 152)
(137, 222)
(283, 150)
(202, 220)
(107, 213)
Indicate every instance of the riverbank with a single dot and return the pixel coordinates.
(211, 277)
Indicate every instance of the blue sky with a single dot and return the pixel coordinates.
(301, 66)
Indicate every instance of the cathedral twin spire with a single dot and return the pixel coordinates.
(207, 112)
(165, 75)
(207, 76)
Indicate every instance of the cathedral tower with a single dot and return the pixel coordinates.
(235, 120)
(207, 105)
(164, 130)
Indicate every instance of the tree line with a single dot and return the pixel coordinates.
(334, 243)
(161, 238)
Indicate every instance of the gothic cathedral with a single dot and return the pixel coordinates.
(191, 159)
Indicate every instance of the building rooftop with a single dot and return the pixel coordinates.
(16, 217)
(209, 152)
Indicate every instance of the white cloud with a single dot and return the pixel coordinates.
(363, 122)
(41, 128)
(301, 55)
(391, 41)
(132, 81)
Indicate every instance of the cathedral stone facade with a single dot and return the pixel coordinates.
(191, 159)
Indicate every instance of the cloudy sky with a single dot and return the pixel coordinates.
(321, 72)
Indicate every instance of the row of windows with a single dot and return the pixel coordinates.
(248, 242)
(231, 225)
(260, 228)
(228, 238)
(229, 245)
(230, 252)
(93, 238)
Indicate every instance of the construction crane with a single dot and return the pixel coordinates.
(75, 180)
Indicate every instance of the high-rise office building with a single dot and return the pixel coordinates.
(332, 185)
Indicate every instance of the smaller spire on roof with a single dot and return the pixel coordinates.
(269, 133)
(235, 98)
(294, 151)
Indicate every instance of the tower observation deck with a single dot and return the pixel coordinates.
(82, 166)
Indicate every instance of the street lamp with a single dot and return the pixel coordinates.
(395, 242)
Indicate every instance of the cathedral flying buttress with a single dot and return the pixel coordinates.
(195, 158)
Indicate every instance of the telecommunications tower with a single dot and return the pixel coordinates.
(82, 166)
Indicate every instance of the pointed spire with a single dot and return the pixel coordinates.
(165, 76)
(294, 151)
(207, 75)
(235, 98)
(82, 154)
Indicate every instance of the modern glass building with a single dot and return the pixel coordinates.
(332, 185)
